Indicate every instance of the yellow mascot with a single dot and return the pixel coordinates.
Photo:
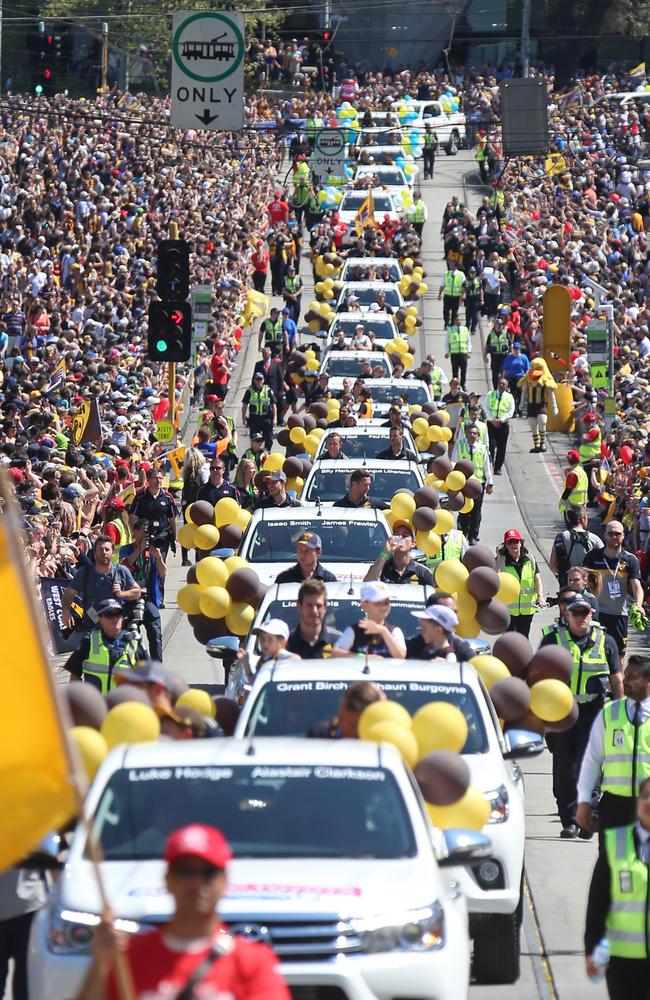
(540, 388)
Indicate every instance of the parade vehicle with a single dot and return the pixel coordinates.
(349, 539)
(352, 201)
(388, 154)
(347, 363)
(387, 391)
(329, 481)
(393, 179)
(288, 699)
(366, 293)
(364, 441)
(371, 269)
(382, 325)
(449, 126)
(335, 865)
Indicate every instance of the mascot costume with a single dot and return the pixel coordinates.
(539, 386)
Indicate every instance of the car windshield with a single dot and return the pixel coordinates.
(291, 708)
(343, 541)
(389, 178)
(361, 445)
(389, 136)
(368, 295)
(264, 811)
(332, 483)
(353, 200)
(336, 365)
(371, 272)
(414, 392)
(383, 329)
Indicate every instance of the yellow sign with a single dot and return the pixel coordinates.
(164, 430)
(556, 164)
(79, 422)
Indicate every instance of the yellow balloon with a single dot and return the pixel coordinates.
(408, 361)
(423, 289)
(130, 722)
(408, 262)
(450, 574)
(467, 606)
(455, 481)
(410, 322)
(403, 506)
(311, 366)
(471, 812)
(206, 537)
(273, 462)
(446, 433)
(295, 485)
(412, 311)
(235, 562)
(445, 416)
(468, 628)
(214, 602)
(422, 442)
(314, 325)
(439, 726)
(551, 700)
(199, 700)
(240, 618)
(91, 747)
(434, 433)
(382, 711)
(188, 598)
(490, 668)
(211, 572)
(310, 354)
(297, 435)
(509, 588)
(428, 542)
(317, 432)
(399, 736)
(311, 443)
(226, 511)
(444, 523)
(186, 536)
(466, 508)
(400, 345)
(420, 426)
(243, 519)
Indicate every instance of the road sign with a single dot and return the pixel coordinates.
(164, 430)
(328, 156)
(208, 70)
(201, 313)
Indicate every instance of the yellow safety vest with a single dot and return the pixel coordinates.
(459, 340)
(368, 415)
(273, 332)
(499, 341)
(525, 605)
(495, 399)
(430, 140)
(589, 450)
(419, 211)
(627, 751)
(453, 284)
(481, 152)
(125, 537)
(478, 458)
(260, 402)
(98, 669)
(436, 381)
(578, 495)
(590, 662)
(627, 925)
(451, 548)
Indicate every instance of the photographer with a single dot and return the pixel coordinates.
(143, 558)
(92, 585)
(158, 508)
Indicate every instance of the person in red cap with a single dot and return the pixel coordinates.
(116, 526)
(590, 452)
(278, 209)
(576, 484)
(192, 955)
(514, 558)
(260, 262)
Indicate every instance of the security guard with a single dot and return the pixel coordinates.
(418, 214)
(514, 558)
(576, 483)
(618, 907)
(497, 348)
(454, 546)
(619, 748)
(429, 151)
(473, 297)
(595, 662)
(259, 411)
(105, 649)
(470, 447)
(272, 333)
(451, 291)
(292, 292)
(481, 155)
(256, 454)
(499, 406)
(458, 347)
(590, 451)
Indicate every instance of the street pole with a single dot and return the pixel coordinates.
(1, 12)
(525, 38)
(174, 234)
(104, 86)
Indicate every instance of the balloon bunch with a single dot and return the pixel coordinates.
(319, 316)
(329, 198)
(220, 597)
(412, 284)
(422, 512)
(347, 117)
(327, 289)
(301, 365)
(431, 428)
(481, 593)
(407, 320)
(399, 352)
(456, 479)
(207, 527)
(450, 102)
(301, 436)
(530, 690)
(327, 265)
(412, 143)
(430, 743)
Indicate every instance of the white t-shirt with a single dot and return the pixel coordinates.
(346, 639)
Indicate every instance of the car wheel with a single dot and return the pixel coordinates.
(497, 949)
(452, 145)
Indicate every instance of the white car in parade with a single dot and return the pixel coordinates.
(371, 269)
(384, 391)
(335, 865)
(366, 294)
(329, 481)
(364, 441)
(382, 325)
(383, 204)
(347, 363)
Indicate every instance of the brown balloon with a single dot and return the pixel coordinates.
(430, 407)
(191, 575)
(309, 422)
(454, 501)
(493, 616)
(259, 596)
(529, 722)
(478, 555)
(472, 488)
(292, 467)
(209, 628)
(306, 467)
(441, 467)
(319, 410)
(230, 536)
(568, 722)
(427, 496)
(443, 777)
(227, 714)
(282, 437)
(242, 585)
(436, 419)
(259, 480)
(323, 423)
(466, 466)
(202, 512)
(510, 697)
(298, 358)
(437, 448)
(295, 420)
(85, 703)
(550, 662)
(126, 692)
(515, 651)
(424, 518)
(483, 583)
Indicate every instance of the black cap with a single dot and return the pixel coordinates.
(110, 607)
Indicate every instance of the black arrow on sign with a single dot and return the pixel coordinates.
(206, 117)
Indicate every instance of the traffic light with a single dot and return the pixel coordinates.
(326, 36)
(44, 65)
(173, 276)
(169, 336)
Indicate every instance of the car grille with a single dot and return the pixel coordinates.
(295, 941)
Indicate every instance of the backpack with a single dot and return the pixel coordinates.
(571, 547)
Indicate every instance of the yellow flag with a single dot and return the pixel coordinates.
(366, 213)
(37, 788)
(257, 306)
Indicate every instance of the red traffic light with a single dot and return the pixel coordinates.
(326, 36)
(176, 316)
(47, 74)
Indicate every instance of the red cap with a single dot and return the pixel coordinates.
(514, 304)
(573, 456)
(211, 398)
(116, 504)
(590, 418)
(512, 535)
(145, 467)
(196, 840)
(16, 475)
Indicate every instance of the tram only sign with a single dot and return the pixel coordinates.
(328, 155)
(208, 70)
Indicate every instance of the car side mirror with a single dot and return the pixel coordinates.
(225, 648)
(45, 857)
(522, 743)
(464, 847)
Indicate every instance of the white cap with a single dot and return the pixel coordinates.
(275, 626)
(440, 614)
(374, 592)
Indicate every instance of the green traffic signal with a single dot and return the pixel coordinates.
(38, 88)
(161, 345)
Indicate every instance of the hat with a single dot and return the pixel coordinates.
(573, 456)
(257, 437)
(310, 540)
(258, 375)
(115, 504)
(404, 524)
(590, 418)
(73, 491)
(145, 672)
(196, 840)
(121, 421)
(286, 310)
(374, 592)
(439, 614)
(109, 607)
(512, 535)
(277, 477)
(579, 602)
(275, 626)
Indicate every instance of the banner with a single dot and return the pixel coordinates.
(51, 595)
(87, 424)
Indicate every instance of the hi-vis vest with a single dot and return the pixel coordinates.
(369, 410)
(418, 212)
(273, 332)
(498, 342)
(496, 400)
(627, 751)
(436, 381)
(459, 339)
(590, 662)
(627, 925)
(472, 287)
(125, 537)
(430, 140)
(451, 548)
(98, 669)
(589, 450)
(477, 458)
(453, 283)
(293, 284)
(260, 402)
(526, 603)
(578, 495)
(481, 152)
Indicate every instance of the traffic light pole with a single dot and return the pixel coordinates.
(174, 234)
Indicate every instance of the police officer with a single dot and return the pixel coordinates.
(259, 412)
(429, 151)
(470, 447)
(104, 649)
(256, 454)
(473, 299)
(451, 292)
(292, 292)
(499, 406)
(418, 214)
(458, 347)
(595, 662)
(619, 750)
(272, 332)
(497, 347)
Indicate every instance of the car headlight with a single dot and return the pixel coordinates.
(499, 804)
(70, 932)
(415, 930)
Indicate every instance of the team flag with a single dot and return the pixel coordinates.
(57, 377)
(638, 70)
(257, 306)
(366, 213)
